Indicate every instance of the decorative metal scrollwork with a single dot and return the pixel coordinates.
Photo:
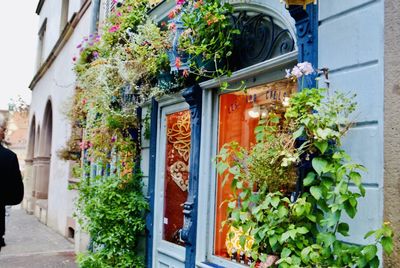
(260, 39)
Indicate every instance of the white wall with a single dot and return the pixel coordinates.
(58, 84)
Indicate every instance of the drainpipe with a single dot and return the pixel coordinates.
(95, 16)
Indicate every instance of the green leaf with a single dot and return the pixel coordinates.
(305, 254)
(285, 236)
(273, 240)
(285, 253)
(302, 230)
(221, 167)
(343, 229)
(242, 240)
(275, 201)
(316, 192)
(369, 252)
(298, 133)
(309, 179)
(355, 177)
(324, 133)
(326, 238)
(350, 210)
(369, 234)
(321, 145)
(387, 244)
(282, 211)
(374, 263)
(320, 165)
(232, 204)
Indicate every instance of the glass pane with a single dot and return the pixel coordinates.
(239, 115)
(176, 174)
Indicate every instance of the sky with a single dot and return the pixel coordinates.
(18, 41)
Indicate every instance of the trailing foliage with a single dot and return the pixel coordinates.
(302, 232)
(111, 209)
(208, 36)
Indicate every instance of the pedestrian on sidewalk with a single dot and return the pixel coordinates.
(11, 186)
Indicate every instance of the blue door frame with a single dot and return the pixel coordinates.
(151, 183)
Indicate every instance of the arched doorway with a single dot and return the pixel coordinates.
(42, 164)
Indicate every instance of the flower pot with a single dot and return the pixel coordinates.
(303, 3)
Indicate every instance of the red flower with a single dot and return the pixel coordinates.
(178, 62)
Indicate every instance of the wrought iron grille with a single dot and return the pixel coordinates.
(260, 39)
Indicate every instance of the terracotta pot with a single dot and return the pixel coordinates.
(303, 3)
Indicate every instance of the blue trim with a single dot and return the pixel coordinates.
(307, 43)
(152, 182)
(213, 265)
(307, 39)
(193, 96)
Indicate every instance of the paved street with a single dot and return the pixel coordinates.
(31, 244)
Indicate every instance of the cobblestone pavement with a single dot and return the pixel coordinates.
(31, 244)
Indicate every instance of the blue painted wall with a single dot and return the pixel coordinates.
(351, 35)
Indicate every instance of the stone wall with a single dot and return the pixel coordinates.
(392, 125)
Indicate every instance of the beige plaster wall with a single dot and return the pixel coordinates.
(392, 125)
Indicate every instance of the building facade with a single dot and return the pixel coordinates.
(62, 25)
(356, 40)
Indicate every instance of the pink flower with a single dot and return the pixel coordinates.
(74, 58)
(180, 2)
(114, 28)
(119, 14)
(84, 101)
(172, 26)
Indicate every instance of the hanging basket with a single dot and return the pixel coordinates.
(303, 3)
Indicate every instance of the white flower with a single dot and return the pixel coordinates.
(297, 72)
(306, 68)
(288, 74)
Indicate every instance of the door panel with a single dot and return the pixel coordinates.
(172, 177)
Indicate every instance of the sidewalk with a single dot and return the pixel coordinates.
(31, 244)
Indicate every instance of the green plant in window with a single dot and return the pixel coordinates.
(302, 232)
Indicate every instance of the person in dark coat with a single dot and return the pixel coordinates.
(11, 186)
